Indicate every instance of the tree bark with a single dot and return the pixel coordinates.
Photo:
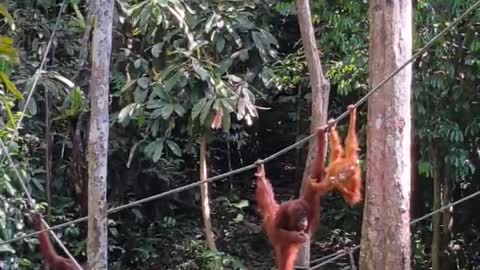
(447, 221)
(97, 244)
(386, 228)
(207, 222)
(320, 92)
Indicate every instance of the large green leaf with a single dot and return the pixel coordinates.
(10, 86)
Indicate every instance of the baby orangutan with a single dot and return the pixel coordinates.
(343, 171)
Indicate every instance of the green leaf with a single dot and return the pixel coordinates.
(238, 218)
(8, 111)
(172, 81)
(167, 111)
(129, 84)
(206, 111)
(10, 86)
(157, 49)
(220, 44)
(155, 103)
(140, 95)
(156, 113)
(7, 50)
(179, 109)
(125, 113)
(241, 204)
(202, 73)
(198, 107)
(143, 82)
(226, 121)
(158, 151)
(173, 146)
(210, 22)
(228, 104)
(4, 12)
(217, 105)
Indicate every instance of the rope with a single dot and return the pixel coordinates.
(31, 203)
(322, 258)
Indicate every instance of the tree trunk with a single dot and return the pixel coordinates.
(446, 219)
(79, 162)
(386, 228)
(48, 154)
(80, 125)
(207, 222)
(48, 160)
(435, 247)
(298, 132)
(97, 244)
(320, 93)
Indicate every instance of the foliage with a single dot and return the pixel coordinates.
(448, 77)
(201, 79)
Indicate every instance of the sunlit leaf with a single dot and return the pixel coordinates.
(10, 86)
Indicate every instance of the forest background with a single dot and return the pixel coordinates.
(177, 66)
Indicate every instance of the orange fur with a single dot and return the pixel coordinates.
(55, 261)
(284, 224)
(343, 172)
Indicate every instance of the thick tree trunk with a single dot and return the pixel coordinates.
(97, 244)
(386, 228)
(320, 93)
(207, 222)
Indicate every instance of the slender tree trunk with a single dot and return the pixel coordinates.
(435, 247)
(97, 244)
(48, 154)
(298, 131)
(48, 159)
(386, 219)
(207, 222)
(446, 220)
(320, 93)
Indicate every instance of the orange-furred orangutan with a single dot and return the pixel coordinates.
(55, 261)
(343, 171)
(290, 224)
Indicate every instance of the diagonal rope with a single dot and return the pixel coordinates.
(31, 203)
(269, 158)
